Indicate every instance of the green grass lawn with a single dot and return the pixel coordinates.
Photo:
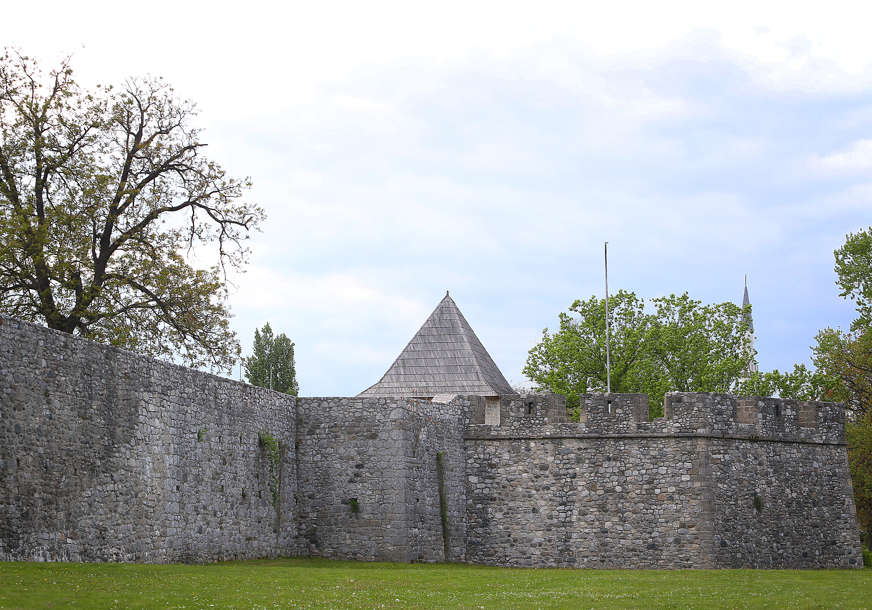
(306, 583)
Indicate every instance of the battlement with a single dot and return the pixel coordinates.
(617, 413)
(685, 413)
(516, 411)
(753, 417)
(155, 462)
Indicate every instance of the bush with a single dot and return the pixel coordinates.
(859, 437)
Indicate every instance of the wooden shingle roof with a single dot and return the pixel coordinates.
(444, 357)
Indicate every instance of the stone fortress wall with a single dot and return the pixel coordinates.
(369, 482)
(718, 481)
(109, 456)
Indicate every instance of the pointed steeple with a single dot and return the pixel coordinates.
(444, 357)
(745, 302)
(750, 337)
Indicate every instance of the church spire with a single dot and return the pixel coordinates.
(745, 302)
(750, 337)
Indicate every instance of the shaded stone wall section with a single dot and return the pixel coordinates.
(783, 505)
(382, 453)
(109, 456)
(576, 502)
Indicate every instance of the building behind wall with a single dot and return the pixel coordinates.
(445, 357)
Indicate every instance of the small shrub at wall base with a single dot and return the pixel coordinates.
(758, 503)
(273, 451)
(867, 557)
(443, 503)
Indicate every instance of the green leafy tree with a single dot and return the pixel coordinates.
(271, 364)
(572, 360)
(102, 194)
(859, 437)
(843, 369)
(854, 270)
(759, 384)
(845, 358)
(696, 347)
(845, 362)
(801, 384)
(682, 345)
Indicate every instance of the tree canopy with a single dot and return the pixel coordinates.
(854, 275)
(572, 360)
(103, 194)
(842, 359)
(845, 358)
(681, 345)
(801, 383)
(271, 364)
(843, 369)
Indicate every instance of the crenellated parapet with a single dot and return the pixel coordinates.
(106, 455)
(616, 413)
(717, 482)
(774, 419)
(685, 414)
(516, 411)
(782, 419)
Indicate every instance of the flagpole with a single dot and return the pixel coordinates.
(608, 350)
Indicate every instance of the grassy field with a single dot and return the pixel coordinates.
(307, 583)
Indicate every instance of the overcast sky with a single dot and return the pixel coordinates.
(491, 148)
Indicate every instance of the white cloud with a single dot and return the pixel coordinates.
(338, 298)
(491, 147)
(353, 353)
(857, 157)
(247, 59)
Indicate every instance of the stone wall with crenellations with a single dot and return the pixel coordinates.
(109, 456)
(719, 481)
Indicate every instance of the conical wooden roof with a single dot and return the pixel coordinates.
(444, 357)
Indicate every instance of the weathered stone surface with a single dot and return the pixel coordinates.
(109, 456)
(382, 452)
(782, 505)
(701, 487)
(576, 502)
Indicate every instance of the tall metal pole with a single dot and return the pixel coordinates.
(608, 349)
